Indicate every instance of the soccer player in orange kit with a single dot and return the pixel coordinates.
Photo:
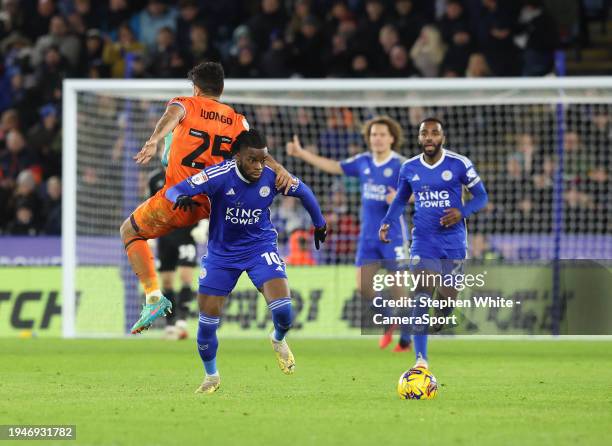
(203, 130)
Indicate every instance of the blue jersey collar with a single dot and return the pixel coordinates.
(436, 164)
(385, 161)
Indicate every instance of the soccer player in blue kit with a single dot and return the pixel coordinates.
(378, 173)
(437, 178)
(242, 238)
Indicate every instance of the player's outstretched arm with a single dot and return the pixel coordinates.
(169, 120)
(396, 209)
(294, 148)
(310, 203)
(181, 193)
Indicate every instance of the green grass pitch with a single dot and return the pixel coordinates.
(121, 392)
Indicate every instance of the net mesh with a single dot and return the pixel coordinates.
(515, 139)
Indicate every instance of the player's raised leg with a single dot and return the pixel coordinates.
(276, 292)
(142, 261)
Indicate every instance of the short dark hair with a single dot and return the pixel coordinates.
(431, 119)
(208, 77)
(249, 138)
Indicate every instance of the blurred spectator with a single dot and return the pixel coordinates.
(9, 121)
(189, 14)
(576, 164)
(45, 140)
(338, 134)
(147, 23)
(387, 39)
(17, 156)
(300, 249)
(360, 66)
(93, 54)
(50, 75)
(275, 63)
(369, 28)
(52, 207)
(117, 13)
(525, 153)
(84, 16)
(477, 66)
(200, 46)
(222, 17)
(300, 15)
(12, 17)
(495, 38)
(119, 54)
(25, 194)
(308, 47)
(88, 12)
(138, 67)
(166, 61)
(271, 19)
(343, 230)
(399, 63)
(23, 223)
(37, 24)
(539, 38)
(408, 22)
(338, 14)
(68, 45)
(241, 38)
(244, 64)
(428, 51)
(338, 57)
(456, 35)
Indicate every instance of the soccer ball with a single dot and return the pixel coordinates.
(417, 384)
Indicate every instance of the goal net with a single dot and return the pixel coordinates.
(541, 146)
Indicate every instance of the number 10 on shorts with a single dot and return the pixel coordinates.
(272, 258)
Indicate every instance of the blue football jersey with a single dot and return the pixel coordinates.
(435, 188)
(375, 180)
(240, 222)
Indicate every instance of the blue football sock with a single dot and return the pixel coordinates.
(420, 330)
(282, 316)
(207, 342)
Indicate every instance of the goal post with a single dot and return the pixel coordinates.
(515, 130)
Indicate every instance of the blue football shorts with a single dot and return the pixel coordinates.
(373, 250)
(218, 277)
(432, 257)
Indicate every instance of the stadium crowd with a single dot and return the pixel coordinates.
(43, 42)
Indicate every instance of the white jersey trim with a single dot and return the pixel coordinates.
(464, 159)
(180, 105)
(217, 167)
(383, 162)
(240, 175)
(473, 183)
(225, 169)
(436, 164)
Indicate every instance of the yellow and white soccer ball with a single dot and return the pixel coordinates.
(417, 384)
